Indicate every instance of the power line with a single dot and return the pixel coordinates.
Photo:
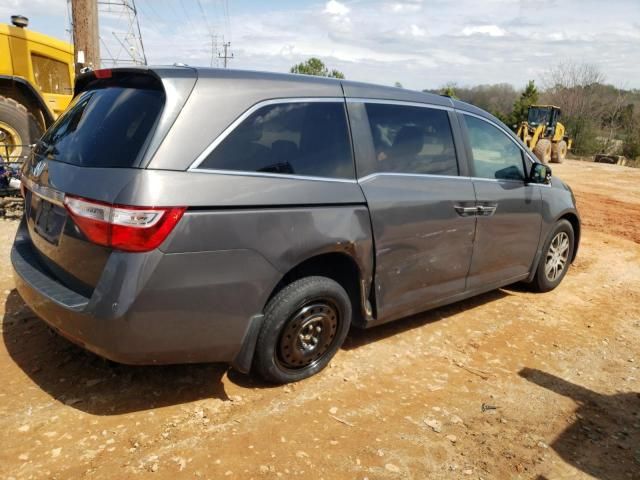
(214, 38)
(129, 47)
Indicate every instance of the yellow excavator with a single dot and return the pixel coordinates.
(544, 134)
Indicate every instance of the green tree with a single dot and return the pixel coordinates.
(315, 66)
(521, 105)
(397, 85)
(448, 90)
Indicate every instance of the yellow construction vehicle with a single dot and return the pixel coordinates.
(544, 134)
(36, 85)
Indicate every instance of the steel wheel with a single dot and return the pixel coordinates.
(308, 335)
(557, 256)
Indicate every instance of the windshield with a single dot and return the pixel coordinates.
(538, 116)
(106, 127)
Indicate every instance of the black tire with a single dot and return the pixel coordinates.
(559, 152)
(542, 282)
(26, 129)
(288, 315)
(542, 150)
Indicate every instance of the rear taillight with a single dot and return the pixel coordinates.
(132, 229)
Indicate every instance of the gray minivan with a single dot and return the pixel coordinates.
(178, 214)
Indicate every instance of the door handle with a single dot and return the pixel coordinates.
(465, 211)
(487, 210)
(482, 210)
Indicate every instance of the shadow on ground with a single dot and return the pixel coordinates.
(604, 439)
(89, 383)
(359, 337)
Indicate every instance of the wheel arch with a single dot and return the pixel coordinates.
(341, 267)
(573, 219)
(23, 92)
(337, 265)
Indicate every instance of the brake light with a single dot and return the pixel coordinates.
(102, 73)
(132, 229)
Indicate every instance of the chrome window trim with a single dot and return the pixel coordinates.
(512, 180)
(371, 176)
(291, 176)
(50, 194)
(264, 103)
(401, 103)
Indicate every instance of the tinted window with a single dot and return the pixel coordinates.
(103, 128)
(412, 139)
(51, 75)
(495, 155)
(294, 138)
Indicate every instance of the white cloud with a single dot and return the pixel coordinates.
(333, 7)
(491, 30)
(416, 31)
(407, 6)
(422, 44)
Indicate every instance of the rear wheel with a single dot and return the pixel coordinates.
(556, 257)
(18, 129)
(559, 152)
(542, 150)
(304, 326)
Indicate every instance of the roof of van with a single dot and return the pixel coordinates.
(272, 84)
(350, 88)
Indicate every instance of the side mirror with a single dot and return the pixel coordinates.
(540, 173)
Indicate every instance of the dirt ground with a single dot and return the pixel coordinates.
(510, 384)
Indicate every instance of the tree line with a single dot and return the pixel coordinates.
(599, 117)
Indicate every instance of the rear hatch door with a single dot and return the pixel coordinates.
(93, 150)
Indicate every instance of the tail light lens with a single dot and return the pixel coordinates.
(132, 229)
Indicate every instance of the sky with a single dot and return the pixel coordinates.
(419, 43)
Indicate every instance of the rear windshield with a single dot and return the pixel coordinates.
(106, 127)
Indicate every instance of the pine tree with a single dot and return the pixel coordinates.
(315, 66)
(521, 105)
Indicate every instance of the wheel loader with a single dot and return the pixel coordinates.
(544, 134)
(36, 85)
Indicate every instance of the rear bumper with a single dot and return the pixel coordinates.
(154, 308)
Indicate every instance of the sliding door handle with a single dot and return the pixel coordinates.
(465, 211)
(487, 210)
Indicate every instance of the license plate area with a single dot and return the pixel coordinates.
(48, 219)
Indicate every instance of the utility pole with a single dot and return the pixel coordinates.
(226, 46)
(86, 36)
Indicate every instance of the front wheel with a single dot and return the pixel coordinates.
(559, 152)
(557, 255)
(542, 150)
(304, 326)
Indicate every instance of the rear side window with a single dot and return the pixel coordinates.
(104, 128)
(412, 139)
(307, 138)
(495, 155)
